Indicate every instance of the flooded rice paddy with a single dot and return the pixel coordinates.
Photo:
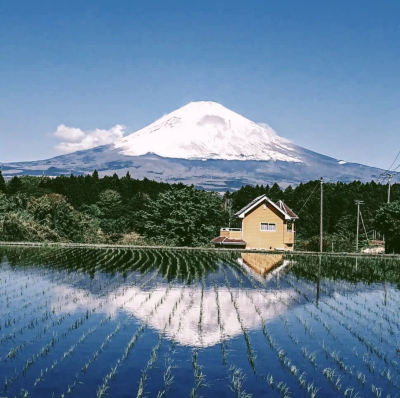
(145, 323)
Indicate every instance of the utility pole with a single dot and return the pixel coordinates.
(358, 203)
(389, 176)
(322, 216)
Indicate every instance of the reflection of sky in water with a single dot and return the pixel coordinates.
(286, 301)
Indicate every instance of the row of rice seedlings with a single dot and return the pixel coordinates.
(237, 379)
(168, 363)
(331, 332)
(67, 353)
(103, 388)
(200, 322)
(221, 325)
(95, 357)
(251, 356)
(9, 381)
(334, 378)
(123, 263)
(288, 365)
(167, 377)
(156, 348)
(307, 328)
(337, 359)
(199, 376)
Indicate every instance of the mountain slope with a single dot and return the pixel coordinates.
(205, 144)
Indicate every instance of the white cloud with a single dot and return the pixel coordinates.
(74, 139)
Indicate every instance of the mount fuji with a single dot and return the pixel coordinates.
(205, 144)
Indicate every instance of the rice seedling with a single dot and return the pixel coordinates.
(377, 391)
(312, 390)
(237, 379)
(333, 377)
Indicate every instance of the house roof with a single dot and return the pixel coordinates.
(222, 240)
(249, 205)
(286, 209)
(280, 206)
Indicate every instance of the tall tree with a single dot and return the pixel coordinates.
(184, 217)
(388, 222)
(14, 185)
(3, 187)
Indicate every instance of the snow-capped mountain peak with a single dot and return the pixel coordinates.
(208, 130)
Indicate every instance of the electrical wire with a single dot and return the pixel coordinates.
(366, 235)
(308, 198)
(378, 179)
(394, 161)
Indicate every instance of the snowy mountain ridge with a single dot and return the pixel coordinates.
(208, 130)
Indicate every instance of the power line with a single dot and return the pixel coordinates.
(365, 231)
(394, 161)
(308, 198)
(322, 217)
(358, 203)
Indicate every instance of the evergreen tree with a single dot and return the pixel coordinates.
(14, 185)
(3, 187)
(388, 222)
(95, 176)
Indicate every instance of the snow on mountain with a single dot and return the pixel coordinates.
(208, 130)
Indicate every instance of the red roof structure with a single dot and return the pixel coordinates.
(286, 209)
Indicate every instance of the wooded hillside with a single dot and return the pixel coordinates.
(90, 209)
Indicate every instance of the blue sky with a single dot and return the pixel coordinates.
(325, 74)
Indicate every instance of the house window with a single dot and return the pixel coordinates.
(289, 227)
(264, 226)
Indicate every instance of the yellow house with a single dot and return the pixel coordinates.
(265, 226)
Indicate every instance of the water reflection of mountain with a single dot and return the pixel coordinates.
(198, 297)
(195, 280)
(187, 330)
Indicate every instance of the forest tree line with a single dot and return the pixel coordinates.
(89, 209)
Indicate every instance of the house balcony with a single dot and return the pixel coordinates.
(289, 238)
(231, 233)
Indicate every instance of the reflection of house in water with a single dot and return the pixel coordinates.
(261, 263)
(265, 226)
